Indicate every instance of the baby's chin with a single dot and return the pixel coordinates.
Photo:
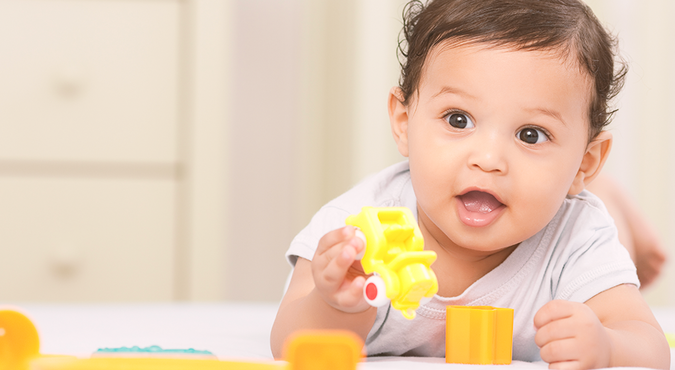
(480, 247)
(488, 250)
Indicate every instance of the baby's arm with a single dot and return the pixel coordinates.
(327, 292)
(614, 328)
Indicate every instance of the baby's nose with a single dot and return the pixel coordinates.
(489, 154)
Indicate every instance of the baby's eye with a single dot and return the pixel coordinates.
(459, 120)
(532, 135)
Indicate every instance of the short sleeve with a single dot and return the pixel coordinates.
(305, 243)
(593, 259)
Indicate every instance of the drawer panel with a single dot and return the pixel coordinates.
(86, 240)
(93, 80)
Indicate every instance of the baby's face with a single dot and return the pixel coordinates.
(495, 138)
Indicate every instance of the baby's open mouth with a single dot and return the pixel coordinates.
(478, 201)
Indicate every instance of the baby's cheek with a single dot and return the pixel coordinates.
(539, 201)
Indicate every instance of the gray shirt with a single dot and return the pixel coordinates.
(576, 256)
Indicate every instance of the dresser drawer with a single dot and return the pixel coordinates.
(86, 239)
(89, 80)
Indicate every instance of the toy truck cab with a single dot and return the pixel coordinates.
(395, 255)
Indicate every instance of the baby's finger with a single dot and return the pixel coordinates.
(334, 237)
(560, 351)
(332, 276)
(335, 250)
(565, 365)
(553, 310)
(350, 293)
(554, 330)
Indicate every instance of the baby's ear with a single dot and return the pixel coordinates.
(592, 162)
(398, 119)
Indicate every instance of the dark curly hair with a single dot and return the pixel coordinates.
(567, 27)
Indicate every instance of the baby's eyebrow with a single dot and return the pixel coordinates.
(550, 113)
(454, 91)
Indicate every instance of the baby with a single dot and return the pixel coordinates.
(500, 112)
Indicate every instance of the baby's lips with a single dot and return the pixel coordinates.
(479, 201)
(478, 208)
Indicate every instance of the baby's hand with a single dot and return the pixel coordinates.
(338, 276)
(570, 336)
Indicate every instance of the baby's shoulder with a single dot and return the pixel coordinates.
(582, 221)
(586, 209)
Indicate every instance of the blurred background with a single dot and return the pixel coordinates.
(169, 150)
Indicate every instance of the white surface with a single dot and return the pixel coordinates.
(229, 330)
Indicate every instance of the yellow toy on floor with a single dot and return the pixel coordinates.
(20, 350)
(480, 335)
(396, 257)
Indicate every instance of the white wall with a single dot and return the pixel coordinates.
(377, 25)
(642, 158)
(264, 135)
(309, 119)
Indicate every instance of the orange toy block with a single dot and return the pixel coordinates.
(478, 335)
(325, 349)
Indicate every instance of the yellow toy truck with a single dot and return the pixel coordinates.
(395, 255)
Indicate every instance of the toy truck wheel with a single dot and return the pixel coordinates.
(359, 234)
(375, 292)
